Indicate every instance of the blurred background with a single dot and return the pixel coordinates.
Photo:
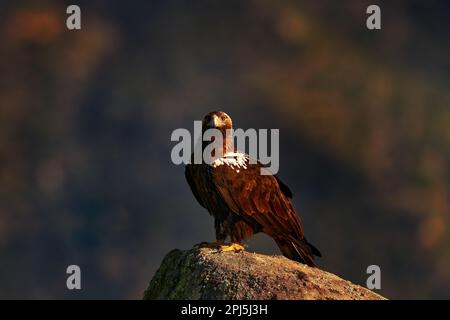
(86, 117)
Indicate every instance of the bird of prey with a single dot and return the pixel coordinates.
(243, 202)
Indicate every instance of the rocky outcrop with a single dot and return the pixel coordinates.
(202, 273)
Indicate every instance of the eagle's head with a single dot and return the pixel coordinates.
(217, 120)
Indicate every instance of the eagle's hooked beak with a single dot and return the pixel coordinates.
(215, 121)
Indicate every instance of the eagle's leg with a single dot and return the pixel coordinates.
(237, 229)
(223, 228)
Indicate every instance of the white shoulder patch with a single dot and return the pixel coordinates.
(235, 160)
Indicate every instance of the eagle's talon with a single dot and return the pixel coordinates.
(236, 247)
(220, 246)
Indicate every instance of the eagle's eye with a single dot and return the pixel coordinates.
(222, 117)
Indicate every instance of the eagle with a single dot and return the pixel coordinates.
(244, 202)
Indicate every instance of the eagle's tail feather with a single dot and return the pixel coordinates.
(299, 250)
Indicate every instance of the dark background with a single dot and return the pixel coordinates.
(86, 118)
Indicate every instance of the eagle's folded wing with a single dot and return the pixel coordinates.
(259, 197)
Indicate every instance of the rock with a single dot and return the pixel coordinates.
(208, 274)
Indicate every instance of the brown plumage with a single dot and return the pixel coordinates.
(244, 202)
